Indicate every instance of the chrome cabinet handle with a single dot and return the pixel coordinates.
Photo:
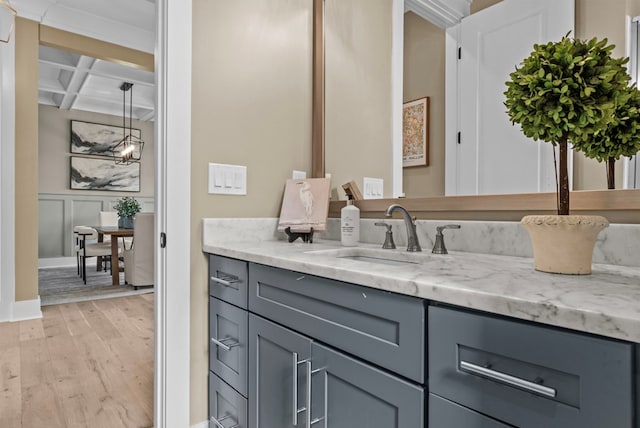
(295, 409)
(508, 379)
(220, 343)
(226, 281)
(218, 422)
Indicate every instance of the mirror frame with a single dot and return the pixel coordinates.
(619, 206)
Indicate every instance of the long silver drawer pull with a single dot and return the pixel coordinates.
(218, 422)
(308, 364)
(508, 379)
(225, 346)
(226, 280)
(295, 389)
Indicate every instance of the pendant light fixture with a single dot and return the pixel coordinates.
(7, 21)
(129, 149)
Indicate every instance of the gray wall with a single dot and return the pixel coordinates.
(54, 146)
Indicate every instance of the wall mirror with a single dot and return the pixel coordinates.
(356, 143)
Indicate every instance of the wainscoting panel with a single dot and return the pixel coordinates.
(50, 228)
(59, 213)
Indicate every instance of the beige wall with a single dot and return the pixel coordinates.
(26, 178)
(424, 74)
(251, 105)
(358, 92)
(54, 129)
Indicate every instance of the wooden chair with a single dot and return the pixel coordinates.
(90, 249)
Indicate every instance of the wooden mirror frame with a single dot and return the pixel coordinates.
(619, 206)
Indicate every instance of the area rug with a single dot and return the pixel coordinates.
(63, 285)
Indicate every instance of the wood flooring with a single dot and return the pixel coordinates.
(86, 364)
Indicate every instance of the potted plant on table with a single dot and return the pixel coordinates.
(127, 207)
(566, 92)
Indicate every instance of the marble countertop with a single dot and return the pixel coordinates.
(606, 303)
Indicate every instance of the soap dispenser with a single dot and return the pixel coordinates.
(350, 224)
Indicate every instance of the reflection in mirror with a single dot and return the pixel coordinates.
(357, 138)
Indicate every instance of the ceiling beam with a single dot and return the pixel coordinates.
(77, 80)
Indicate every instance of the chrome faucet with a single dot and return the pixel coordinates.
(412, 237)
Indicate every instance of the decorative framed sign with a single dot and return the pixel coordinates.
(96, 139)
(104, 174)
(415, 132)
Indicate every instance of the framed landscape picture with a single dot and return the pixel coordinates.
(415, 132)
(104, 174)
(96, 139)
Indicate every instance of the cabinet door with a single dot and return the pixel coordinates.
(228, 343)
(445, 414)
(355, 394)
(227, 408)
(278, 363)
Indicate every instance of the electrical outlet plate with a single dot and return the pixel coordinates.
(373, 188)
(227, 179)
(299, 175)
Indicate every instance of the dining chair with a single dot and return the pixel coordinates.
(90, 249)
(139, 258)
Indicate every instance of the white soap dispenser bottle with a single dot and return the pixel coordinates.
(350, 224)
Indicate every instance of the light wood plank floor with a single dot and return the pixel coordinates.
(86, 364)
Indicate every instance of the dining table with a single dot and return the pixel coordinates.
(115, 232)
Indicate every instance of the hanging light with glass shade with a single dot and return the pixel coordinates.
(7, 21)
(129, 149)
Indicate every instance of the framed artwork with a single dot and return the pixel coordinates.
(104, 174)
(305, 204)
(415, 132)
(96, 139)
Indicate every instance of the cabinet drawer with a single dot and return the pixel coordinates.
(445, 414)
(384, 328)
(528, 375)
(227, 408)
(228, 331)
(228, 280)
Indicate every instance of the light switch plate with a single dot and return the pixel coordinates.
(373, 188)
(227, 179)
(299, 175)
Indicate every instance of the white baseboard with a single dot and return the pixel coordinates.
(204, 424)
(57, 262)
(26, 310)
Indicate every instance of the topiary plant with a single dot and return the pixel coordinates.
(566, 91)
(620, 138)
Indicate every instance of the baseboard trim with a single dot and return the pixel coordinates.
(57, 262)
(204, 424)
(26, 310)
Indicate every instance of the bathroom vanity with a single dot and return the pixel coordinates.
(306, 335)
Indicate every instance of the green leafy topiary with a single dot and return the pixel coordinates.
(127, 207)
(566, 91)
(620, 138)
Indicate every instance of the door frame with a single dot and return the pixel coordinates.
(173, 208)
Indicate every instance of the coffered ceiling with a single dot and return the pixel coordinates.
(77, 82)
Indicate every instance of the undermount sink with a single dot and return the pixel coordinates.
(375, 255)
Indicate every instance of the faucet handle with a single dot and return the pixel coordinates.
(382, 223)
(439, 229)
(438, 246)
(388, 239)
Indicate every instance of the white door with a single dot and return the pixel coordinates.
(492, 155)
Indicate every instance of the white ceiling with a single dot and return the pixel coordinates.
(76, 82)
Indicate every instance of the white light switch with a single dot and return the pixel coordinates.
(373, 188)
(227, 179)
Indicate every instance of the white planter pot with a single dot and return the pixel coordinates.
(563, 244)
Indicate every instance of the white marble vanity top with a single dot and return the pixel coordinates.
(606, 303)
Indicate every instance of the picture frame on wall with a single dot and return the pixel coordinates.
(96, 139)
(104, 174)
(415, 132)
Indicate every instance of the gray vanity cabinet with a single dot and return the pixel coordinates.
(344, 392)
(278, 384)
